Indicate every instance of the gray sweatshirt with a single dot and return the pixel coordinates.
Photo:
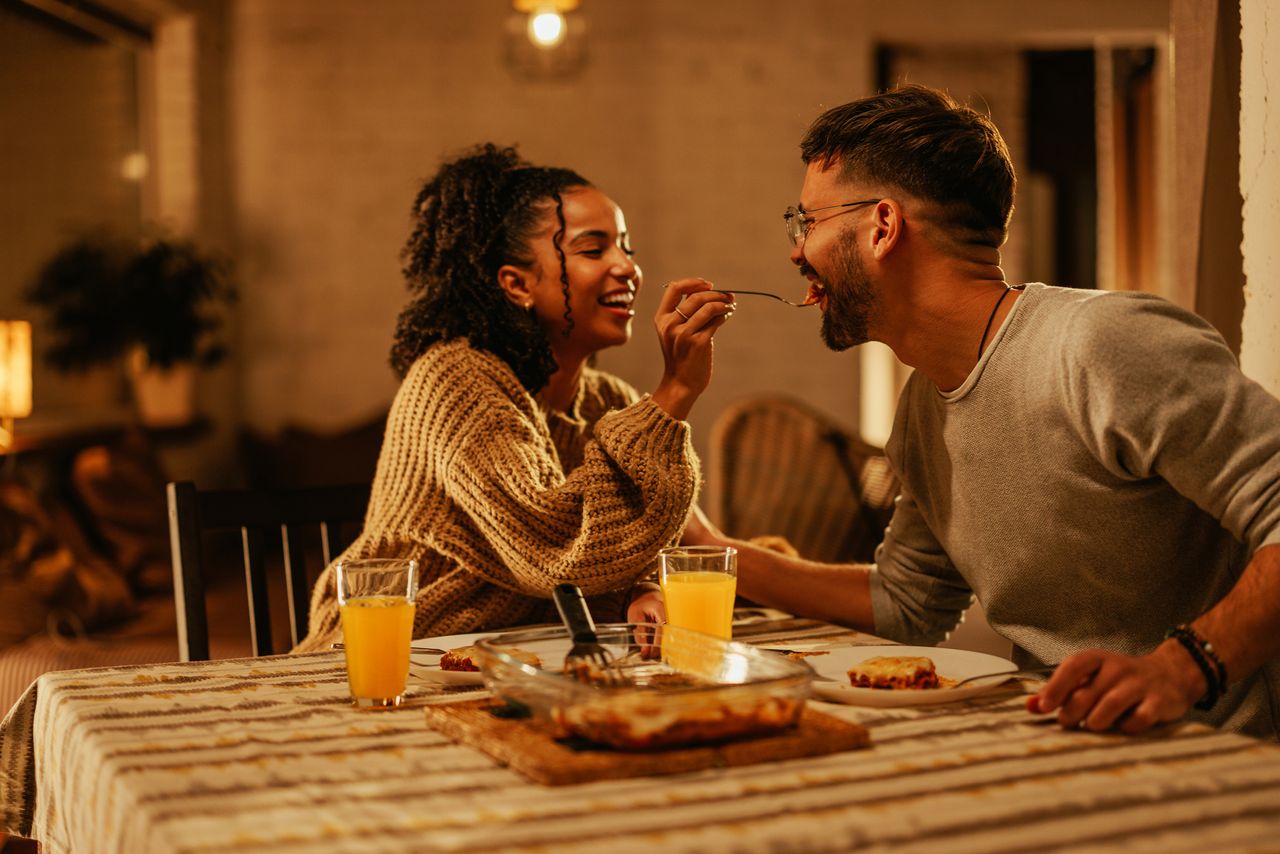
(1104, 473)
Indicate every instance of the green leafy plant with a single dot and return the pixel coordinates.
(106, 295)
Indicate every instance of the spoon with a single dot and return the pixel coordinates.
(763, 294)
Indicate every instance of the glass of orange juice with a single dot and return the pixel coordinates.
(375, 598)
(698, 584)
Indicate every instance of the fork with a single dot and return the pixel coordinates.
(764, 294)
(420, 650)
(586, 657)
(1006, 675)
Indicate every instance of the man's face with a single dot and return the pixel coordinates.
(850, 299)
(830, 258)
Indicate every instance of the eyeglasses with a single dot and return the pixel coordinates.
(799, 222)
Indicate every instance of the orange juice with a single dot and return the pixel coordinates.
(701, 601)
(376, 633)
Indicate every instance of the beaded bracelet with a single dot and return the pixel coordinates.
(1206, 647)
(1206, 658)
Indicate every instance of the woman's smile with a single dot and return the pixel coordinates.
(620, 301)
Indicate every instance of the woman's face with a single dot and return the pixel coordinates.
(603, 277)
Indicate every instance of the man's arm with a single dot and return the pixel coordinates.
(1099, 690)
(1211, 435)
(837, 593)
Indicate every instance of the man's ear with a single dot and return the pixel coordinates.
(887, 225)
(516, 284)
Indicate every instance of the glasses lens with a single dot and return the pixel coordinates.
(794, 221)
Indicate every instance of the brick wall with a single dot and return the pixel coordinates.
(688, 114)
(316, 120)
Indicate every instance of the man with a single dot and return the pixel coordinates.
(1092, 466)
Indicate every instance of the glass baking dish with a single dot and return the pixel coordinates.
(700, 689)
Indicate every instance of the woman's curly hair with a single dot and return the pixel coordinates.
(476, 214)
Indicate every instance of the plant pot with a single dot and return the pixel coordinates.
(162, 397)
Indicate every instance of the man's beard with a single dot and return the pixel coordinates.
(850, 299)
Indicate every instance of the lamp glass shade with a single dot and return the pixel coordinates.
(546, 44)
(15, 369)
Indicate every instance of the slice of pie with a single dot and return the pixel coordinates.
(894, 673)
(466, 659)
(463, 659)
(801, 655)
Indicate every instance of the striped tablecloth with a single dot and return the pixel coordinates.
(266, 755)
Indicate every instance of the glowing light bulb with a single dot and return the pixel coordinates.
(546, 28)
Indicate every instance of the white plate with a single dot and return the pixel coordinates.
(446, 642)
(951, 663)
(433, 673)
(426, 666)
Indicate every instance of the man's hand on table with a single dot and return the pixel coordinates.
(1099, 690)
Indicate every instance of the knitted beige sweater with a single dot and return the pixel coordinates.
(500, 499)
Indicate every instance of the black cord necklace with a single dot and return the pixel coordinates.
(982, 342)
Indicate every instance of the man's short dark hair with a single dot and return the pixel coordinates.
(924, 142)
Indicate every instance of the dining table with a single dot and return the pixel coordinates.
(268, 755)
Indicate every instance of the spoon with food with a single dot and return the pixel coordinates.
(811, 299)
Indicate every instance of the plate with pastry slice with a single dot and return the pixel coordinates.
(904, 675)
(458, 665)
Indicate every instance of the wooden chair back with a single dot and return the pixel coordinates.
(325, 511)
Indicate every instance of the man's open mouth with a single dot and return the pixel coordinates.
(817, 294)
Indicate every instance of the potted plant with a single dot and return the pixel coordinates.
(154, 304)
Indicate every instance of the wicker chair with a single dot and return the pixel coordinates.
(778, 466)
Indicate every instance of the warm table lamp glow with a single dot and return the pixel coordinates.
(15, 376)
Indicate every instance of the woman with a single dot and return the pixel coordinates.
(510, 465)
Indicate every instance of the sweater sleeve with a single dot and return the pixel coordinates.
(529, 526)
(1166, 398)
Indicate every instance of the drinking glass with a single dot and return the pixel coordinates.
(698, 584)
(375, 598)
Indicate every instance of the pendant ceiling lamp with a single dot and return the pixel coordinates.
(545, 39)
